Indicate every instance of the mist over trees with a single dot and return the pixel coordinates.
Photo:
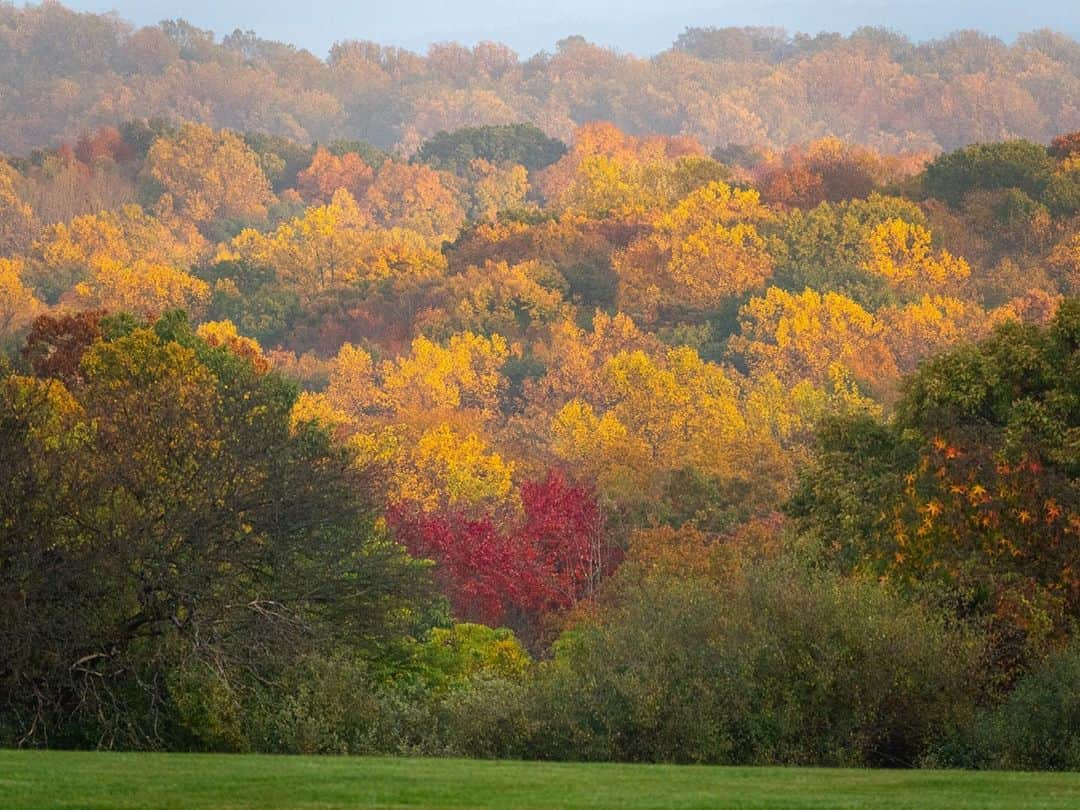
(64, 72)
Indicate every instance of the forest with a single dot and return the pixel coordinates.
(62, 73)
(582, 408)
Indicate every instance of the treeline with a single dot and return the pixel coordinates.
(64, 73)
(611, 449)
(186, 566)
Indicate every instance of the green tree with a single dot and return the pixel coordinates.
(970, 488)
(523, 144)
(169, 542)
(1009, 164)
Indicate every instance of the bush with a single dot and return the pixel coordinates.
(1038, 724)
(492, 718)
(777, 663)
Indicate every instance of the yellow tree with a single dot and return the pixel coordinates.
(929, 326)
(224, 333)
(435, 380)
(601, 448)
(18, 306)
(903, 254)
(332, 247)
(450, 470)
(498, 298)
(685, 409)
(67, 253)
(707, 249)
(575, 359)
(800, 336)
(210, 175)
(353, 387)
(496, 189)
(610, 173)
(142, 287)
(18, 225)
(656, 417)
(421, 419)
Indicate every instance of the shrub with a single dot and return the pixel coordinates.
(1038, 724)
(777, 663)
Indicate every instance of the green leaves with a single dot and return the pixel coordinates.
(161, 523)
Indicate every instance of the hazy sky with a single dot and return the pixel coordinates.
(641, 26)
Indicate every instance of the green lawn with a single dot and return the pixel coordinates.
(41, 780)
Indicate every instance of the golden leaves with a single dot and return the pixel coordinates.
(210, 175)
(902, 252)
(334, 246)
(801, 336)
(18, 305)
(705, 250)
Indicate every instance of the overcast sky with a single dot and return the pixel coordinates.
(641, 26)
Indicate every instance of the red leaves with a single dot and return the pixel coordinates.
(546, 562)
(475, 566)
(105, 143)
(562, 540)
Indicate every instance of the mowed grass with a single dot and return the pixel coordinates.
(69, 780)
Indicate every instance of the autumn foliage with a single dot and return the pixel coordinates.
(547, 560)
(466, 390)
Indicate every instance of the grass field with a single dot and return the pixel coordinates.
(40, 780)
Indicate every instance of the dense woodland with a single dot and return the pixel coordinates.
(733, 443)
(62, 73)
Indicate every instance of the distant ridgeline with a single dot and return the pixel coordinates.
(721, 86)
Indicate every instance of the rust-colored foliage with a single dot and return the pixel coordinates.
(56, 344)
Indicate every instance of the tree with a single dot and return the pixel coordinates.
(929, 326)
(645, 427)
(18, 225)
(422, 418)
(562, 543)
(1065, 146)
(434, 379)
(902, 253)
(828, 248)
(414, 197)
(496, 299)
(210, 176)
(18, 306)
(545, 561)
(828, 170)
(522, 144)
(690, 657)
(1011, 164)
(802, 336)
(610, 173)
(143, 288)
(495, 189)
(705, 251)
(329, 172)
(443, 470)
(970, 487)
(67, 254)
(169, 543)
(333, 248)
(55, 345)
